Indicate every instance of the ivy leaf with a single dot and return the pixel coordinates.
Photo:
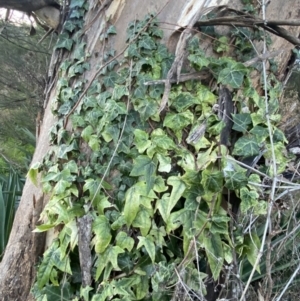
(147, 108)
(212, 180)
(183, 101)
(64, 149)
(147, 43)
(109, 255)
(214, 253)
(164, 163)
(241, 122)
(253, 244)
(52, 259)
(84, 292)
(124, 241)
(132, 51)
(77, 3)
(111, 30)
(55, 292)
(159, 184)
(219, 223)
(158, 235)
(143, 220)
(141, 140)
(235, 180)
(144, 166)
(69, 26)
(132, 204)
(101, 228)
(178, 121)
(198, 60)
(61, 186)
(156, 91)
(233, 75)
(167, 203)
(71, 166)
(110, 80)
(33, 173)
(148, 243)
(64, 42)
(94, 143)
(246, 146)
(260, 133)
(125, 262)
(119, 91)
(205, 95)
(79, 51)
(249, 199)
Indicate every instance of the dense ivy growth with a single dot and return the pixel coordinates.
(152, 185)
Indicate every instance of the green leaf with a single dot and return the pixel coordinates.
(199, 60)
(101, 229)
(241, 122)
(71, 166)
(147, 42)
(159, 184)
(148, 243)
(249, 199)
(109, 255)
(205, 95)
(223, 44)
(61, 186)
(214, 253)
(232, 75)
(158, 235)
(183, 101)
(33, 173)
(178, 121)
(111, 30)
(141, 140)
(52, 259)
(260, 133)
(166, 203)
(44, 227)
(143, 220)
(79, 51)
(124, 241)
(164, 163)
(61, 292)
(212, 180)
(69, 26)
(64, 41)
(85, 291)
(132, 203)
(144, 166)
(253, 244)
(119, 91)
(147, 108)
(235, 179)
(111, 79)
(246, 146)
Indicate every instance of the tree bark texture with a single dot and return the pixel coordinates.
(24, 247)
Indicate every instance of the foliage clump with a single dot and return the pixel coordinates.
(157, 188)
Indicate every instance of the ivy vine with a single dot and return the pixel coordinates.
(152, 184)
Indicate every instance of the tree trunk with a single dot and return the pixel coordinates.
(18, 266)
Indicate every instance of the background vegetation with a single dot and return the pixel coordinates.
(23, 78)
